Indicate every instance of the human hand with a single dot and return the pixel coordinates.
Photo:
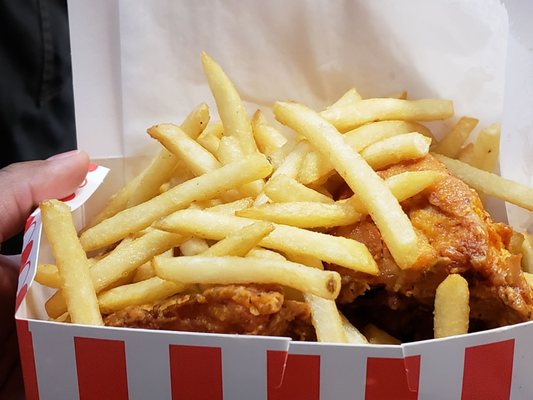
(22, 187)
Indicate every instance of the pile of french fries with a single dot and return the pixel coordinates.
(239, 202)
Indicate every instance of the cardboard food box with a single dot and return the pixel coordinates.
(137, 63)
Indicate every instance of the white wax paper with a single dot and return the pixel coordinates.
(310, 52)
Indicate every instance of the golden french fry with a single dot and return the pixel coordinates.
(282, 188)
(240, 270)
(138, 293)
(452, 310)
(529, 279)
(143, 272)
(352, 333)
(121, 261)
(230, 150)
(229, 104)
(72, 263)
(408, 146)
(375, 335)
(289, 167)
(325, 316)
(350, 98)
(304, 214)
(259, 252)
(197, 159)
(200, 188)
(394, 225)
(316, 165)
(210, 137)
(231, 208)
(451, 144)
(268, 138)
(48, 275)
(193, 246)
(278, 156)
(326, 319)
(369, 110)
(162, 167)
(490, 184)
(527, 253)
(338, 250)
(241, 242)
(466, 154)
(487, 148)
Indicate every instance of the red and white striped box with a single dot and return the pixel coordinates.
(68, 361)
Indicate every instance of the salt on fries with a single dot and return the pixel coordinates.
(238, 202)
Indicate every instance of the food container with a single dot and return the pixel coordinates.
(136, 63)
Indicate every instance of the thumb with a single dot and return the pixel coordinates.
(23, 185)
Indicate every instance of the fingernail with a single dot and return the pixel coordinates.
(64, 155)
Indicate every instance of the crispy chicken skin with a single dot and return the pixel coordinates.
(456, 235)
(250, 310)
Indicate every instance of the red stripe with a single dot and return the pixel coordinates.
(196, 372)
(301, 377)
(488, 371)
(101, 367)
(386, 378)
(27, 360)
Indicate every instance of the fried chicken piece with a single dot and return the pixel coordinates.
(458, 236)
(233, 309)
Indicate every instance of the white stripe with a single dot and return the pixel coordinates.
(148, 367)
(244, 365)
(522, 383)
(55, 362)
(441, 369)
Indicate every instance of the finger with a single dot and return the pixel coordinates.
(24, 185)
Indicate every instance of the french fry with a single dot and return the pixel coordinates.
(241, 242)
(48, 275)
(72, 263)
(451, 144)
(231, 208)
(304, 214)
(369, 110)
(307, 214)
(325, 316)
(268, 138)
(162, 167)
(352, 333)
(393, 150)
(138, 293)
(529, 279)
(210, 137)
(259, 252)
(193, 246)
(289, 167)
(527, 253)
(143, 272)
(200, 188)
(338, 250)
(121, 261)
(316, 165)
(282, 188)
(229, 104)
(230, 150)
(466, 154)
(278, 156)
(394, 225)
(490, 184)
(375, 335)
(452, 310)
(350, 98)
(197, 159)
(326, 319)
(487, 149)
(240, 270)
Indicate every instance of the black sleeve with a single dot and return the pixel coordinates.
(36, 99)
